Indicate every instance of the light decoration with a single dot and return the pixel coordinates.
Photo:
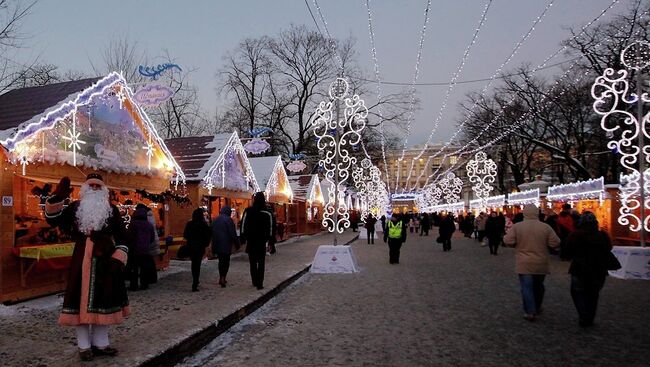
(416, 74)
(121, 97)
(257, 146)
(451, 86)
(482, 172)
(376, 192)
(449, 207)
(613, 102)
(150, 150)
(590, 189)
(336, 133)
(296, 166)
(495, 202)
(524, 197)
(73, 137)
(451, 186)
(218, 171)
(476, 204)
(506, 105)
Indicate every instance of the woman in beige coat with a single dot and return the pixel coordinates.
(531, 238)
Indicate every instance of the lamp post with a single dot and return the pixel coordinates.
(627, 131)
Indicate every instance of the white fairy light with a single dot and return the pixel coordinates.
(416, 74)
(613, 102)
(524, 197)
(121, 97)
(451, 186)
(589, 189)
(494, 202)
(150, 149)
(513, 127)
(505, 105)
(482, 172)
(450, 87)
(336, 133)
(73, 137)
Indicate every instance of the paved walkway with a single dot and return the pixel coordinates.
(458, 308)
(163, 316)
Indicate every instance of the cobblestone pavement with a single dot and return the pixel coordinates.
(458, 308)
(163, 316)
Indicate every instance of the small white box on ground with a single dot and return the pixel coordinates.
(334, 259)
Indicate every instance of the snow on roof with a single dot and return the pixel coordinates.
(203, 159)
(306, 187)
(270, 174)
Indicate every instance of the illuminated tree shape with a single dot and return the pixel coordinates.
(337, 131)
(482, 172)
(451, 186)
(613, 102)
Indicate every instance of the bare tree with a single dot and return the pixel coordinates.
(12, 13)
(122, 55)
(44, 74)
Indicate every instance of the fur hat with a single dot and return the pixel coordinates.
(95, 178)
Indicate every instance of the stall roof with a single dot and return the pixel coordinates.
(27, 111)
(305, 187)
(199, 156)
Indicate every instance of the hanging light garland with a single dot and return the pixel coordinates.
(524, 197)
(590, 189)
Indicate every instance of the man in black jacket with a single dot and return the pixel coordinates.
(257, 228)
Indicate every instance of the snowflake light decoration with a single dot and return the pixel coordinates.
(451, 186)
(150, 149)
(338, 131)
(613, 101)
(73, 137)
(482, 172)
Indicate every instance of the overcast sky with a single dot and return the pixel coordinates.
(198, 33)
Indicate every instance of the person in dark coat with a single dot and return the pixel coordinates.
(587, 248)
(370, 228)
(224, 238)
(495, 227)
(383, 223)
(447, 229)
(257, 228)
(395, 235)
(425, 224)
(96, 278)
(141, 235)
(198, 235)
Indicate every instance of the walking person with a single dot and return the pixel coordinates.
(480, 226)
(565, 226)
(154, 249)
(395, 235)
(425, 225)
(530, 238)
(224, 238)
(446, 230)
(494, 230)
(587, 248)
(370, 228)
(141, 235)
(257, 229)
(411, 225)
(383, 223)
(197, 234)
(95, 294)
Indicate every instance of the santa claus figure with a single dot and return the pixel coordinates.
(95, 296)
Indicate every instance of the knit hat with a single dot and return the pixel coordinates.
(95, 178)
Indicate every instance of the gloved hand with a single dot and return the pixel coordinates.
(63, 190)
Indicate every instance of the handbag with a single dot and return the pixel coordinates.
(611, 261)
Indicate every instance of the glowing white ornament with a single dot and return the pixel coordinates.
(73, 137)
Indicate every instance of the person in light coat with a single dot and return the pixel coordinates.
(531, 238)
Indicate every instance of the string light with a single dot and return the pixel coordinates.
(539, 67)
(588, 189)
(513, 127)
(218, 169)
(450, 87)
(416, 74)
(524, 197)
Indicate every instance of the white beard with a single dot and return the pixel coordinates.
(94, 209)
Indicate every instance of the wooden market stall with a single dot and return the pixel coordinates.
(71, 129)
(308, 203)
(272, 178)
(217, 173)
